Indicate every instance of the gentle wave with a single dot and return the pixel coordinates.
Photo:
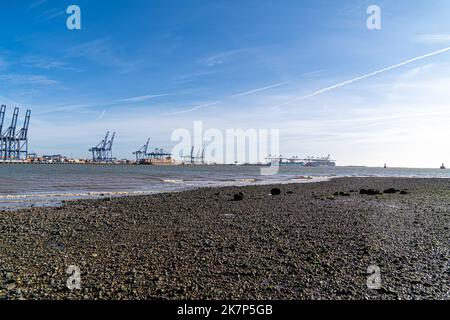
(101, 194)
(74, 195)
(172, 180)
(48, 185)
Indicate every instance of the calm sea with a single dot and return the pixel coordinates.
(37, 185)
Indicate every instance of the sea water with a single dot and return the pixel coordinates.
(37, 185)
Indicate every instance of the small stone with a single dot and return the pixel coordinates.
(10, 286)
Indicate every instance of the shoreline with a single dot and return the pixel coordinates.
(54, 199)
(306, 243)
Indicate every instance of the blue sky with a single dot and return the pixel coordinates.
(145, 68)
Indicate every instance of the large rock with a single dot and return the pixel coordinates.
(370, 192)
(391, 191)
(238, 196)
(275, 192)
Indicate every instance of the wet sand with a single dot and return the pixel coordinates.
(305, 243)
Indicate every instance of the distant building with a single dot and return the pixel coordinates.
(56, 158)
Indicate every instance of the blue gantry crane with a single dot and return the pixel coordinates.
(192, 159)
(142, 152)
(145, 157)
(102, 153)
(14, 145)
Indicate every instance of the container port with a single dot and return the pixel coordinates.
(157, 157)
(14, 150)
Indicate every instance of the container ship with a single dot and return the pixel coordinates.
(306, 162)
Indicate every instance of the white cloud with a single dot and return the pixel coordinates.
(250, 92)
(443, 38)
(37, 4)
(369, 75)
(195, 108)
(42, 62)
(3, 63)
(221, 58)
(27, 79)
(144, 98)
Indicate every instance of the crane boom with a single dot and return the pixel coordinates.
(2, 117)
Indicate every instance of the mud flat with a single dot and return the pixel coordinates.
(310, 241)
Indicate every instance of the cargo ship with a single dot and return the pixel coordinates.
(297, 161)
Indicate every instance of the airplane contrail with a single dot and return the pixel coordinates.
(193, 108)
(101, 115)
(243, 94)
(341, 84)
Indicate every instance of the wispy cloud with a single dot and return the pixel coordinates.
(42, 62)
(192, 77)
(27, 79)
(101, 115)
(37, 4)
(250, 92)
(195, 108)
(342, 84)
(443, 38)
(101, 52)
(3, 63)
(52, 13)
(242, 94)
(221, 58)
(144, 98)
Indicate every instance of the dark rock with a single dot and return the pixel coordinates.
(289, 192)
(404, 192)
(370, 192)
(391, 191)
(275, 192)
(239, 196)
(344, 194)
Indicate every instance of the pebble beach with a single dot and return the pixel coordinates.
(288, 242)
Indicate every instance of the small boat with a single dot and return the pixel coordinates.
(385, 166)
(443, 167)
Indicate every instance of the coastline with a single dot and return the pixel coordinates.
(306, 243)
(13, 202)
